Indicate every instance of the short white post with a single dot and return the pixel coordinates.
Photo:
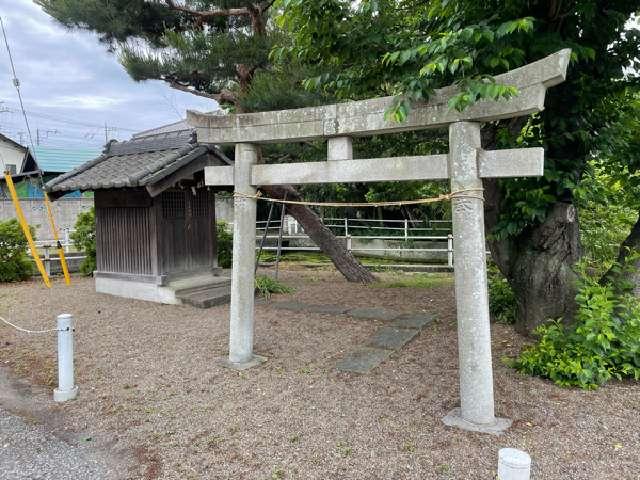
(241, 322)
(406, 229)
(476, 410)
(349, 243)
(47, 259)
(450, 250)
(67, 390)
(513, 464)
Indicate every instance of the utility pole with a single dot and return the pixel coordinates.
(107, 131)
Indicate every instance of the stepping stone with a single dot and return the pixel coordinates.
(373, 314)
(363, 360)
(392, 338)
(413, 320)
(327, 309)
(293, 306)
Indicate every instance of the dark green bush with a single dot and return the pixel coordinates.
(603, 343)
(502, 301)
(15, 264)
(225, 244)
(84, 239)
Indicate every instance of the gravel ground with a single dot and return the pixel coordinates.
(31, 452)
(149, 383)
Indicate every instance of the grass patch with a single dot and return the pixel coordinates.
(321, 258)
(307, 257)
(415, 280)
(266, 286)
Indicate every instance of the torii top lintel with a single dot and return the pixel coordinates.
(366, 117)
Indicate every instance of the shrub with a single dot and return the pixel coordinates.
(502, 300)
(225, 244)
(603, 343)
(84, 239)
(265, 286)
(15, 265)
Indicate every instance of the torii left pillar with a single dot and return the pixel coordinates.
(241, 324)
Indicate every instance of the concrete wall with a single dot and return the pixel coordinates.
(408, 255)
(65, 212)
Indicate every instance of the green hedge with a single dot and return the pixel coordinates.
(603, 343)
(84, 239)
(15, 264)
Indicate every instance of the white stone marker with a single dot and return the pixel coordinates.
(476, 410)
(513, 464)
(244, 251)
(67, 390)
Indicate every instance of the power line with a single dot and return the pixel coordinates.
(16, 83)
(70, 122)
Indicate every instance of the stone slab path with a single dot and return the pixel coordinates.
(399, 330)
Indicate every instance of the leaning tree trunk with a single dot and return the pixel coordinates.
(538, 263)
(343, 259)
(628, 260)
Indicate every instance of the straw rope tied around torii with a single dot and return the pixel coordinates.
(466, 193)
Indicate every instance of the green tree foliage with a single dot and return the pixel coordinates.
(15, 265)
(210, 48)
(84, 239)
(409, 48)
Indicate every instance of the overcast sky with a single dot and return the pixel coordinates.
(72, 85)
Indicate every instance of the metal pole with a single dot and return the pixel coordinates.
(66, 240)
(346, 226)
(67, 389)
(264, 237)
(406, 229)
(450, 250)
(284, 208)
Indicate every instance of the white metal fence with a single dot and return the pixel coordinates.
(349, 228)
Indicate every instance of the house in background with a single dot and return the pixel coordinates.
(25, 169)
(26, 165)
(12, 155)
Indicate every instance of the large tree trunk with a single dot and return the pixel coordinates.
(343, 260)
(629, 261)
(538, 263)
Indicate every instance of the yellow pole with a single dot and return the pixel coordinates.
(56, 238)
(26, 230)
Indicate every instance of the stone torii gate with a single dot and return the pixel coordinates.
(465, 165)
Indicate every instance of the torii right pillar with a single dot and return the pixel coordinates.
(476, 411)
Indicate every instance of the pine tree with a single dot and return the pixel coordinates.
(210, 48)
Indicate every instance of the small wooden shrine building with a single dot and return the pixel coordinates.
(155, 218)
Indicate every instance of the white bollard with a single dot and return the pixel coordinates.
(67, 389)
(513, 464)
